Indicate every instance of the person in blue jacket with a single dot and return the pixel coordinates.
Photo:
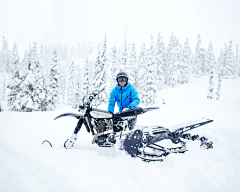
(125, 95)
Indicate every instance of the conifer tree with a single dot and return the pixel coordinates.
(142, 62)
(1, 109)
(186, 62)
(223, 56)
(219, 83)
(1, 78)
(237, 59)
(33, 90)
(53, 93)
(219, 74)
(172, 61)
(1, 84)
(62, 83)
(160, 59)
(15, 82)
(114, 68)
(229, 66)
(71, 91)
(22, 96)
(86, 83)
(150, 76)
(180, 66)
(6, 57)
(39, 92)
(196, 63)
(100, 74)
(27, 96)
(210, 64)
(132, 65)
(1, 63)
(78, 88)
(45, 58)
(5, 68)
(124, 57)
(199, 59)
(91, 66)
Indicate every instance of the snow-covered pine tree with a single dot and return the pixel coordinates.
(180, 66)
(53, 91)
(150, 76)
(229, 68)
(62, 83)
(186, 62)
(39, 92)
(237, 59)
(223, 56)
(86, 83)
(132, 65)
(92, 54)
(160, 59)
(99, 80)
(204, 69)
(78, 88)
(219, 74)
(33, 86)
(114, 68)
(142, 62)
(15, 82)
(1, 78)
(1, 63)
(5, 68)
(22, 96)
(71, 91)
(1, 109)
(172, 61)
(196, 62)
(6, 57)
(124, 57)
(26, 95)
(210, 64)
(45, 58)
(199, 59)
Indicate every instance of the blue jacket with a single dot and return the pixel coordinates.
(126, 97)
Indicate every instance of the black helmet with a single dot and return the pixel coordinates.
(122, 74)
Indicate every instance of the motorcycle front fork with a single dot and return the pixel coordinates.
(79, 125)
(70, 142)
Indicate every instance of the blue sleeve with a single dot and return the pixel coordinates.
(112, 101)
(135, 98)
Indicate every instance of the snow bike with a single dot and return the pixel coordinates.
(109, 129)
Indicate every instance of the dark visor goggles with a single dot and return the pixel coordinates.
(120, 79)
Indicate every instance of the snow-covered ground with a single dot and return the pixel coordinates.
(27, 165)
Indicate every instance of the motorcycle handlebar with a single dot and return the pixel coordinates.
(94, 94)
(90, 98)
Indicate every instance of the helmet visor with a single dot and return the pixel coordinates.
(122, 79)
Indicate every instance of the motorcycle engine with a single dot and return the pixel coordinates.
(101, 125)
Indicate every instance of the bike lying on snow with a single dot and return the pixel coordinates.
(109, 129)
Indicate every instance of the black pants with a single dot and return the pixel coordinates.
(131, 124)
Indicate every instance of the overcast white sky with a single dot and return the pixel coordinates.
(73, 21)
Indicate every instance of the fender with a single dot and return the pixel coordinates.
(69, 114)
